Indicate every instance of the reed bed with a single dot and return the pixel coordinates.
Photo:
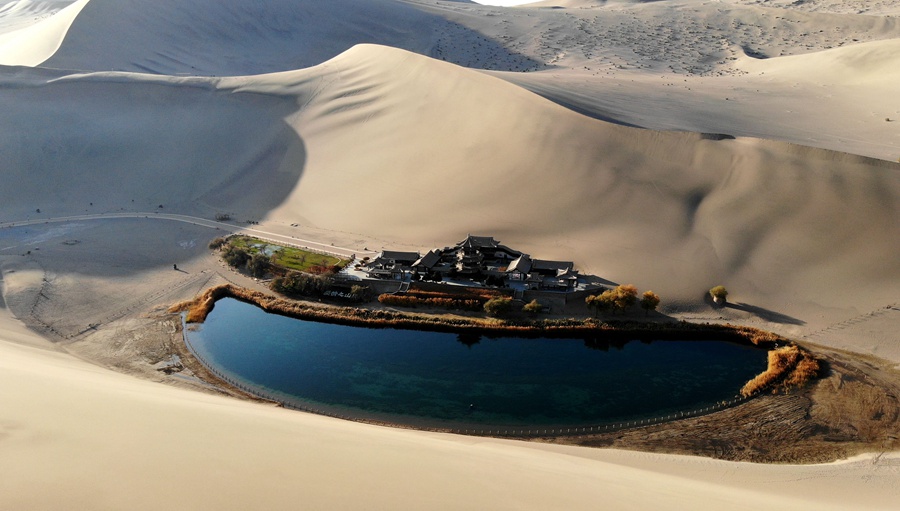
(458, 292)
(788, 367)
(443, 302)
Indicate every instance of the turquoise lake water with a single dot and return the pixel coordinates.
(445, 380)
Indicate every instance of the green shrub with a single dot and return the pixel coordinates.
(259, 265)
(719, 293)
(217, 243)
(498, 306)
(236, 257)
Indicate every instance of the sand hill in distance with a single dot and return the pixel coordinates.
(675, 145)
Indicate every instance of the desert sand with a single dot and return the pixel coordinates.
(675, 145)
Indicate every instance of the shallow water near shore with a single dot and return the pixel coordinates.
(432, 379)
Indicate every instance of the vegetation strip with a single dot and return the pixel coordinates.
(788, 364)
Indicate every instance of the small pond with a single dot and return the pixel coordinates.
(431, 379)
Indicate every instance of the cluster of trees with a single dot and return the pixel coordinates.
(258, 265)
(621, 299)
(315, 281)
(298, 284)
(295, 283)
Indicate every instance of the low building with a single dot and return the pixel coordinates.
(391, 264)
(480, 258)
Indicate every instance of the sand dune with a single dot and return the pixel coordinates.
(604, 60)
(79, 437)
(382, 145)
(679, 65)
(106, 139)
(676, 212)
(791, 98)
(30, 32)
(218, 37)
(672, 211)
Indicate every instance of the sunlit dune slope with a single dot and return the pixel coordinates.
(31, 31)
(77, 436)
(843, 98)
(406, 147)
(401, 147)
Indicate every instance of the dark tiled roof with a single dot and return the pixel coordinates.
(478, 242)
(555, 266)
(400, 257)
(508, 250)
(429, 260)
(522, 264)
(567, 274)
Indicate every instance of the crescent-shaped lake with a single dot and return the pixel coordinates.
(432, 379)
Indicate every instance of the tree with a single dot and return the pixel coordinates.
(217, 243)
(236, 257)
(359, 293)
(625, 296)
(259, 265)
(718, 294)
(295, 283)
(602, 302)
(649, 301)
(498, 306)
(533, 307)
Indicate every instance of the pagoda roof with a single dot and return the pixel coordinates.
(478, 242)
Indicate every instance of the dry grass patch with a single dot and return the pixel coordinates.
(788, 367)
(200, 307)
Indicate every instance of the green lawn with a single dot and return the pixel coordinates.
(303, 260)
(286, 257)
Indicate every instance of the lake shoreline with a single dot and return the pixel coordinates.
(731, 433)
(215, 349)
(586, 328)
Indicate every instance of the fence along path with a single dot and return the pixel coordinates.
(487, 430)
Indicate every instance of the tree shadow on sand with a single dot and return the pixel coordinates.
(766, 314)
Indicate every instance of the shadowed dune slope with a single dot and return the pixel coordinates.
(236, 37)
(96, 143)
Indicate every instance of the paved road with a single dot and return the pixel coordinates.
(213, 224)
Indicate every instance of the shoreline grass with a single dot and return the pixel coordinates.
(788, 367)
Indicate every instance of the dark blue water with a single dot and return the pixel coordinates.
(441, 379)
